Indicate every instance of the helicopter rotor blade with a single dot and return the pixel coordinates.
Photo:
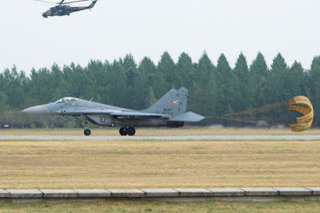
(44, 1)
(61, 2)
(71, 2)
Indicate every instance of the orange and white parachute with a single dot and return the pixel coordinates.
(302, 105)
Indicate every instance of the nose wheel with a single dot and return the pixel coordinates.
(131, 131)
(87, 132)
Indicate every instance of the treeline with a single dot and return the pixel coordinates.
(214, 89)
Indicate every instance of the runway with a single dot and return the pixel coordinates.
(165, 138)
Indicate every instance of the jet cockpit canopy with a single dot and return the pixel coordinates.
(67, 100)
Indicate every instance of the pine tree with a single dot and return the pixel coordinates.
(226, 87)
(13, 87)
(95, 82)
(241, 80)
(147, 71)
(165, 75)
(295, 81)
(116, 86)
(258, 74)
(315, 86)
(135, 83)
(277, 88)
(185, 71)
(203, 93)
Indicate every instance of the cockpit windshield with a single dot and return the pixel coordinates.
(70, 100)
(67, 100)
(59, 101)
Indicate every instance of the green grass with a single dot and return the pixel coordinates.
(144, 206)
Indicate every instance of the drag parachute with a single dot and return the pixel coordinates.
(302, 105)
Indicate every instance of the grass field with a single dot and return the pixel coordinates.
(152, 164)
(139, 206)
(160, 131)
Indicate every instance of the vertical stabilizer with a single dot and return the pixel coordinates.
(172, 103)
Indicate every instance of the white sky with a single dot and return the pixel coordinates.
(115, 28)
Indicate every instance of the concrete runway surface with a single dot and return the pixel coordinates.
(166, 138)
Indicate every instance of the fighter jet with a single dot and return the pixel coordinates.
(168, 111)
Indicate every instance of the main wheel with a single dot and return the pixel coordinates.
(123, 131)
(87, 132)
(131, 131)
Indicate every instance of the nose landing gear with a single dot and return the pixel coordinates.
(87, 132)
(131, 131)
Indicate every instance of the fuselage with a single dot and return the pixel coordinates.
(62, 10)
(96, 113)
(65, 10)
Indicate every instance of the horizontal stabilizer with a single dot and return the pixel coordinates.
(188, 117)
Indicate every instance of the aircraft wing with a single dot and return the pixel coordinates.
(114, 113)
(137, 115)
(84, 111)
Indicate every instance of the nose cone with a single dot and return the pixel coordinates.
(37, 110)
(45, 15)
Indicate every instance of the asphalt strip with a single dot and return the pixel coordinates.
(165, 138)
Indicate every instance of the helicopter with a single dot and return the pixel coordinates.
(63, 9)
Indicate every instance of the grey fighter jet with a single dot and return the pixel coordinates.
(168, 111)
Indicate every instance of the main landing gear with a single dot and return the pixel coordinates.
(131, 131)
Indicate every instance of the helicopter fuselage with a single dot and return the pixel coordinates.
(65, 10)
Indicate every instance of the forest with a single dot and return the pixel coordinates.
(214, 89)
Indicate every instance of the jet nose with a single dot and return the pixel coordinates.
(37, 110)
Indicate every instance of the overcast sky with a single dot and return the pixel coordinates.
(115, 28)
